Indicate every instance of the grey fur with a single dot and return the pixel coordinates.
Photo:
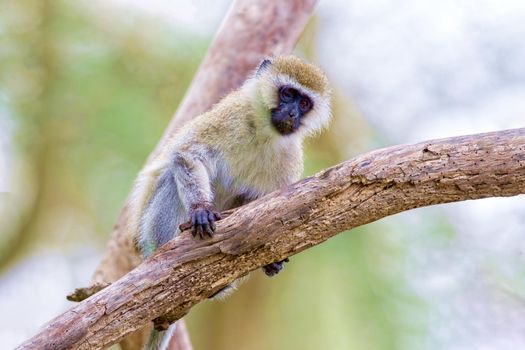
(179, 187)
(162, 215)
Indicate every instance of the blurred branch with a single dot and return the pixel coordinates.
(251, 31)
(369, 187)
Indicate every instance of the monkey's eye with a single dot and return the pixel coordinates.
(305, 104)
(287, 94)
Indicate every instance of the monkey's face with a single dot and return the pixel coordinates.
(292, 106)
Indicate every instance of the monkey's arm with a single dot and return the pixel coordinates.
(181, 192)
(194, 187)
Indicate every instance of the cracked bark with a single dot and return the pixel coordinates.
(283, 223)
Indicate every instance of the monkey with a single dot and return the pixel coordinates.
(249, 144)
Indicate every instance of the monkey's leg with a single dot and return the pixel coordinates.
(274, 268)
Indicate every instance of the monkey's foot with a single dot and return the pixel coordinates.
(203, 223)
(274, 268)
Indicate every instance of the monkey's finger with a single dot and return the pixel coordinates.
(199, 231)
(208, 231)
(194, 225)
(198, 224)
(194, 230)
(211, 219)
(217, 216)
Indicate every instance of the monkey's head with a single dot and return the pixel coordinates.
(293, 96)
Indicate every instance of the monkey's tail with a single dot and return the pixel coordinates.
(159, 340)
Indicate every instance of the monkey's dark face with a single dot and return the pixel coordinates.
(293, 105)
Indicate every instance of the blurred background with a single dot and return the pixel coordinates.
(87, 87)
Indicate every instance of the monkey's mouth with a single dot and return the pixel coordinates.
(285, 125)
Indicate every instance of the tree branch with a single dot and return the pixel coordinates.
(367, 188)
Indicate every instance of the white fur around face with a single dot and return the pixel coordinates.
(264, 89)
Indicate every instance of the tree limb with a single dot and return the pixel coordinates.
(369, 187)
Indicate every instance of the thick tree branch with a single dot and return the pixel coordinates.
(364, 189)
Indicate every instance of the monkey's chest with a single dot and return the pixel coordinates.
(247, 177)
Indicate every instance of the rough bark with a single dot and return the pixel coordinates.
(367, 188)
(251, 31)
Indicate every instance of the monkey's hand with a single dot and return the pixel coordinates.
(203, 222)
(274, 268)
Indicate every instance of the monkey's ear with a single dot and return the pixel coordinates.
(263, 66)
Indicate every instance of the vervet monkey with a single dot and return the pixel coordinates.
(247, 145)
